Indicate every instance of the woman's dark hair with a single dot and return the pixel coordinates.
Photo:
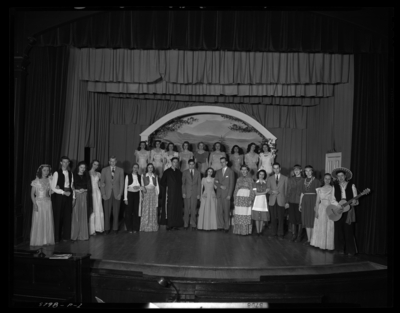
(145, 145)
(79, 164)
(331, 182)
(262, 147)
(233, 149)
(222, 147)
(167, 147)
(265, 174)
(189, 145)
(210, 168)
(255, 147)
(91, 164)
(204, 145)
(39, 170)
(155, 141)
(147, 167)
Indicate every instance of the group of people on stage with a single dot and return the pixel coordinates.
(167, 187)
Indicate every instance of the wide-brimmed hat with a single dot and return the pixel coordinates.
(348, 173)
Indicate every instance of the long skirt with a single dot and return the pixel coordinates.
(148, 221)
(242, 219)
(307, 210)
(42, 231)
(96, 220)
(79, 225)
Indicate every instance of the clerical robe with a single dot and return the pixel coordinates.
(172, 183)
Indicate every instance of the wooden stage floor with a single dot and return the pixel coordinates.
(209, 255)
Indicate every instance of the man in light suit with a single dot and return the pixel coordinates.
(112, 187)
(278, 185)
(191, 190)
(225, 183)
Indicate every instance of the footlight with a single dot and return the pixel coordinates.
(167, 283)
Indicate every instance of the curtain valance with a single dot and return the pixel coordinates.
(300, 101)
(212, 67)
(163, 87)
(284, 31)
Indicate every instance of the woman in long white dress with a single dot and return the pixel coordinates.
(208, 205)
(157, 158)
(96, 220)
(251, 159)
(324, 229)
(170, 152)
(185, 156)
(142, 156)
(266, 159)
(216, 155)
(42, 231)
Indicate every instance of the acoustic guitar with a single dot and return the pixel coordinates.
(333, 210)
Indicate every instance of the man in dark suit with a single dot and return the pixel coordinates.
(112, 187)
(225, 183)
(278, 186)
(191, 190)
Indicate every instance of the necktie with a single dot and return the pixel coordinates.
(277, 180)
(112, 172)
(191, 173)
(223, 171)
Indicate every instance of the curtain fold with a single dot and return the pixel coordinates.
(162, 87)
(87, 118)
(289, 101)
(45, 109)
(283, 31)
(212, 67)
(370, 152)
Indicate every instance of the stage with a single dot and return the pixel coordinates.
(210, 255)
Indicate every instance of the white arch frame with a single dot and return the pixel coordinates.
(205, 109)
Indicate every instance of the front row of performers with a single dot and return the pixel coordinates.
(70, 206)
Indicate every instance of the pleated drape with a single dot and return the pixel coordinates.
(229, 30)
(44, 118)
(370, 148)
(212, 67)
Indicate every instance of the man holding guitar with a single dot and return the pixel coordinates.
(344, 231)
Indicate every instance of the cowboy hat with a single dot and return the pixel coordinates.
(347, 172)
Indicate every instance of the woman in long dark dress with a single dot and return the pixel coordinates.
(82, 203)
(308, 198)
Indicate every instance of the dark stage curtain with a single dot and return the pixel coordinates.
(370, 151)
(44, 120)
(283, 31)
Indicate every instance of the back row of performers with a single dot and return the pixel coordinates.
(161, 159)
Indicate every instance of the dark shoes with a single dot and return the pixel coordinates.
(227, 230)
(194, 228)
